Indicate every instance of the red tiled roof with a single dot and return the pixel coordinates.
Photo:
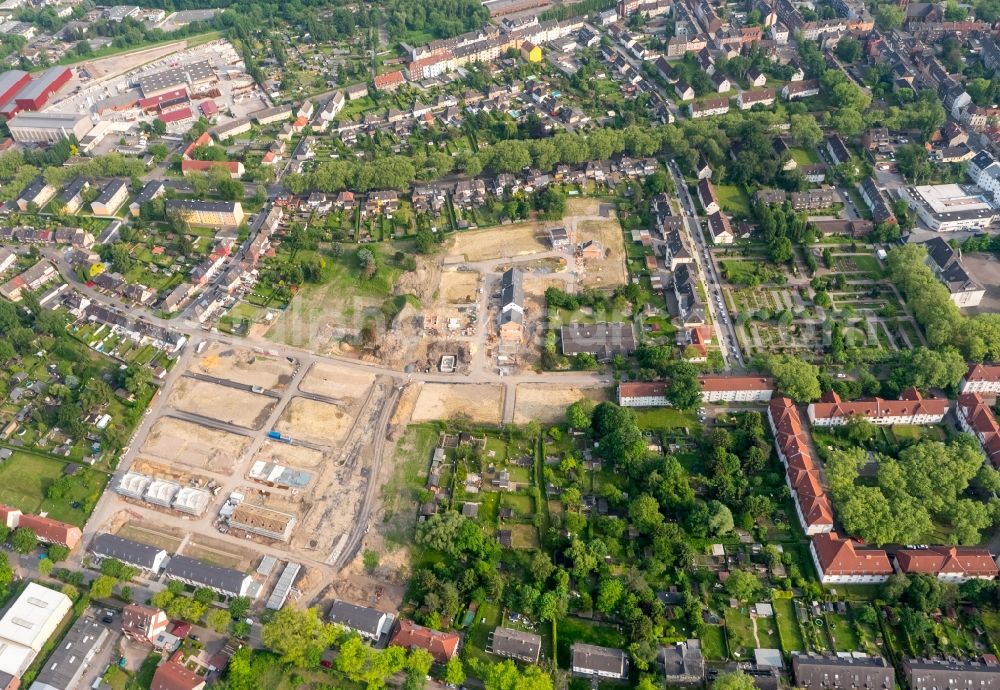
(983, 372)
(641, 390)
(51, 531)
(441, 645)
(982, 422)
(803, 476)
(174, 676)
(389, 79)
(203, 166)
(736, 383)
(178, 95)
(830, 406)
(178, 115)
(204, 140)
(935, 560)
(838, 556)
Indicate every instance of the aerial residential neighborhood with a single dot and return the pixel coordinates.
(500, 344)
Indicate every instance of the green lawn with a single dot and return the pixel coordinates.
(665, 418)
(486, 620)
(739, 629)
(25, 477)
(713, 643)
(841, 633)
(788, 626)
(805, 156)
(733, 199)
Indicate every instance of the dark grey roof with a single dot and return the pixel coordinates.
(983, 159)
(33, 189)
(72, 189)
(224, 579)
(66, 664)
(512, 288)
(601, 339)
(198, 205)
(149, 191)
(590, 657)
(939, 251)
(359, 618)
(834, 672)
(516, 644)
(124, 550)
(109, 190)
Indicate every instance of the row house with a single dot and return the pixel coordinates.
(981, 378)
(469, 193)
(875, 201)
(976, 417)
(707, 197)
(380, 202)
(911, 409)
(689, 300)
(642, 394)
(948, 563)
(736, 388)
(428, 199)
(812, 505)
(814, 199)
(748, 99)
(840, 560)
(800, 89)
(709, 107)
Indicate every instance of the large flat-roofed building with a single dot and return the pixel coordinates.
(37, 93)
(28, 624)
(602, 340)
(951, 674)
(846, 672)
(191, 76)
(11, 82)
(368, 622)
(225, 581)
(208, 213)
(949, 207)
(517, 644)
(67, 663)
(48, 128)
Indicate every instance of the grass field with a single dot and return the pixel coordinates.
(788, 626)
(733, 199)
(841, 633)
(25, 477)
(739, 629)
(665, 418)
(413, 454)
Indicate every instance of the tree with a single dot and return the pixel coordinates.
(578, 414)
(454, 673)
(720, 519)
(733, 681)
(913, 162)
(218, 620)
(45, 566)
(298, 636)
(506, 676)
(743, 585)
(440, 532)
(805, 131)
(889, 17)
(795, 377)
(239, 606)
(684, 390)
(849, 49)
(24, 540)
(102, 587)
(231, 190)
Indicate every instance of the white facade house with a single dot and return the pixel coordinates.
(981, 378)
(736, 388)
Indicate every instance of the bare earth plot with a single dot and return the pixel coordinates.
(588, 206)
(475, 402)
(224, 403)
(333, 381)
(219, 552)
(194, 445)
(608, 272)
(498, 243)
(244, 366)
(459, 286)
(547, 403)
(290, 455)
(314, 421)
(145, 533)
